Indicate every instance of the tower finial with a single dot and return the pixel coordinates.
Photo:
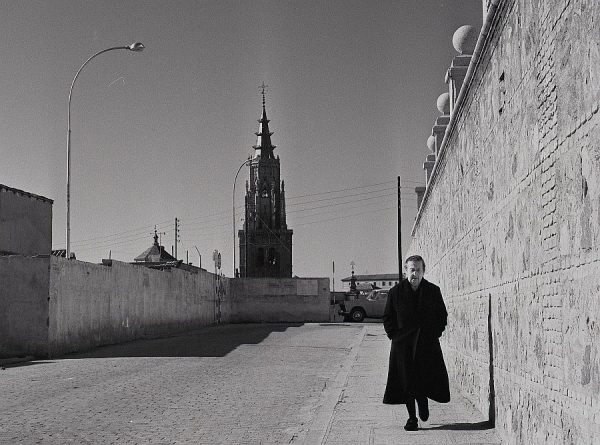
(263, 88)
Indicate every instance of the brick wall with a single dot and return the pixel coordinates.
(510, 225)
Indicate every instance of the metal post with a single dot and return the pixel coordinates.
(199, 258)
(176, 236)
(246, 162)
(246, 237)
(399, 233)
(333, 276)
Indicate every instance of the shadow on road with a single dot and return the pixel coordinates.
(476, 426)
(29, 362)
(214, 341)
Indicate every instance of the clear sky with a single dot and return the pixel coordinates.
(160, 134)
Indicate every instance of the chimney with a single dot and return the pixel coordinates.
(464, 41)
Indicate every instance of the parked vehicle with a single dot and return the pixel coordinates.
(371, 306)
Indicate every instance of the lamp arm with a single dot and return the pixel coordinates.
(246, 162)
(68, 250)
(81, 68)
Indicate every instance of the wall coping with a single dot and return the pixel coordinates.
(24, 193)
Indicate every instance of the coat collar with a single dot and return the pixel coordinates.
(423, 285)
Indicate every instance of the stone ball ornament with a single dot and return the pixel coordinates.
(465, 39)
(443, 103)
(431, 143)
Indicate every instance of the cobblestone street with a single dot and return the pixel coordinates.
(232, 384)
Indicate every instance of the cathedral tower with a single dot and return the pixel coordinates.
(265, 240)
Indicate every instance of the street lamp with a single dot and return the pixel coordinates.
(136, 47)
(246, 162)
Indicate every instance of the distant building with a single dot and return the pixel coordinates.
(155, 254)
(375, 281)
(25, 223)
(265, 236)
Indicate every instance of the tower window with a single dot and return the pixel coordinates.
(260, 257)
(272, 256)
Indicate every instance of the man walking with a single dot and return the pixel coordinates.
(415, 317)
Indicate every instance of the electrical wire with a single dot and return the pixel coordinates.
(130, 235)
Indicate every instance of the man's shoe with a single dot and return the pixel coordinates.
(412, 424)
(423, 409)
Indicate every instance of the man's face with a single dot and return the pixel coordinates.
(414, 273)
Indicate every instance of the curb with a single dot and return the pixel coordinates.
(319, 429)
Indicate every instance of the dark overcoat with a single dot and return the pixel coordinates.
(414, 321)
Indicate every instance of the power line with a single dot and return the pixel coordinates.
(111, 243)
(81, 244)
(340, 197)
(121, 233)
(344, 216)
(125, 236)
(340, 190)
(345, 202)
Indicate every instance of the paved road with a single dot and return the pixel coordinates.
(232, 384)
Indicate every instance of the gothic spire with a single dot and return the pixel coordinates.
(263, 135)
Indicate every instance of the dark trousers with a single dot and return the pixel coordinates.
(410, 406)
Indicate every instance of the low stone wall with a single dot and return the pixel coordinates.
(269, 300)
(52, 306)
(92, 304)
(509, 226)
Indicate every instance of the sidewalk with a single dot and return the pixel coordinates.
(353, 412)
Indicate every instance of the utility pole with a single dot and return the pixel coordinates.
(199, 258)
(333, 267)
(177, 237)
(399, 233)
(217, 260)
(246, 235)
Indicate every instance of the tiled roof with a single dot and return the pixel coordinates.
(155, 254)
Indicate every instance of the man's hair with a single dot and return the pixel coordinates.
(414, 259)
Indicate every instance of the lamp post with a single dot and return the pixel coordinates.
(136, 47)
(246, 162)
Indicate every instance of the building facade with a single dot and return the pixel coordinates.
(25, 223)
(376, 281)
(265, 242)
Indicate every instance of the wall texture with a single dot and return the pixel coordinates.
(52, 306)
(510, 224)
(24, 305)
(93, 304)
(25, 222)
(265, 300)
